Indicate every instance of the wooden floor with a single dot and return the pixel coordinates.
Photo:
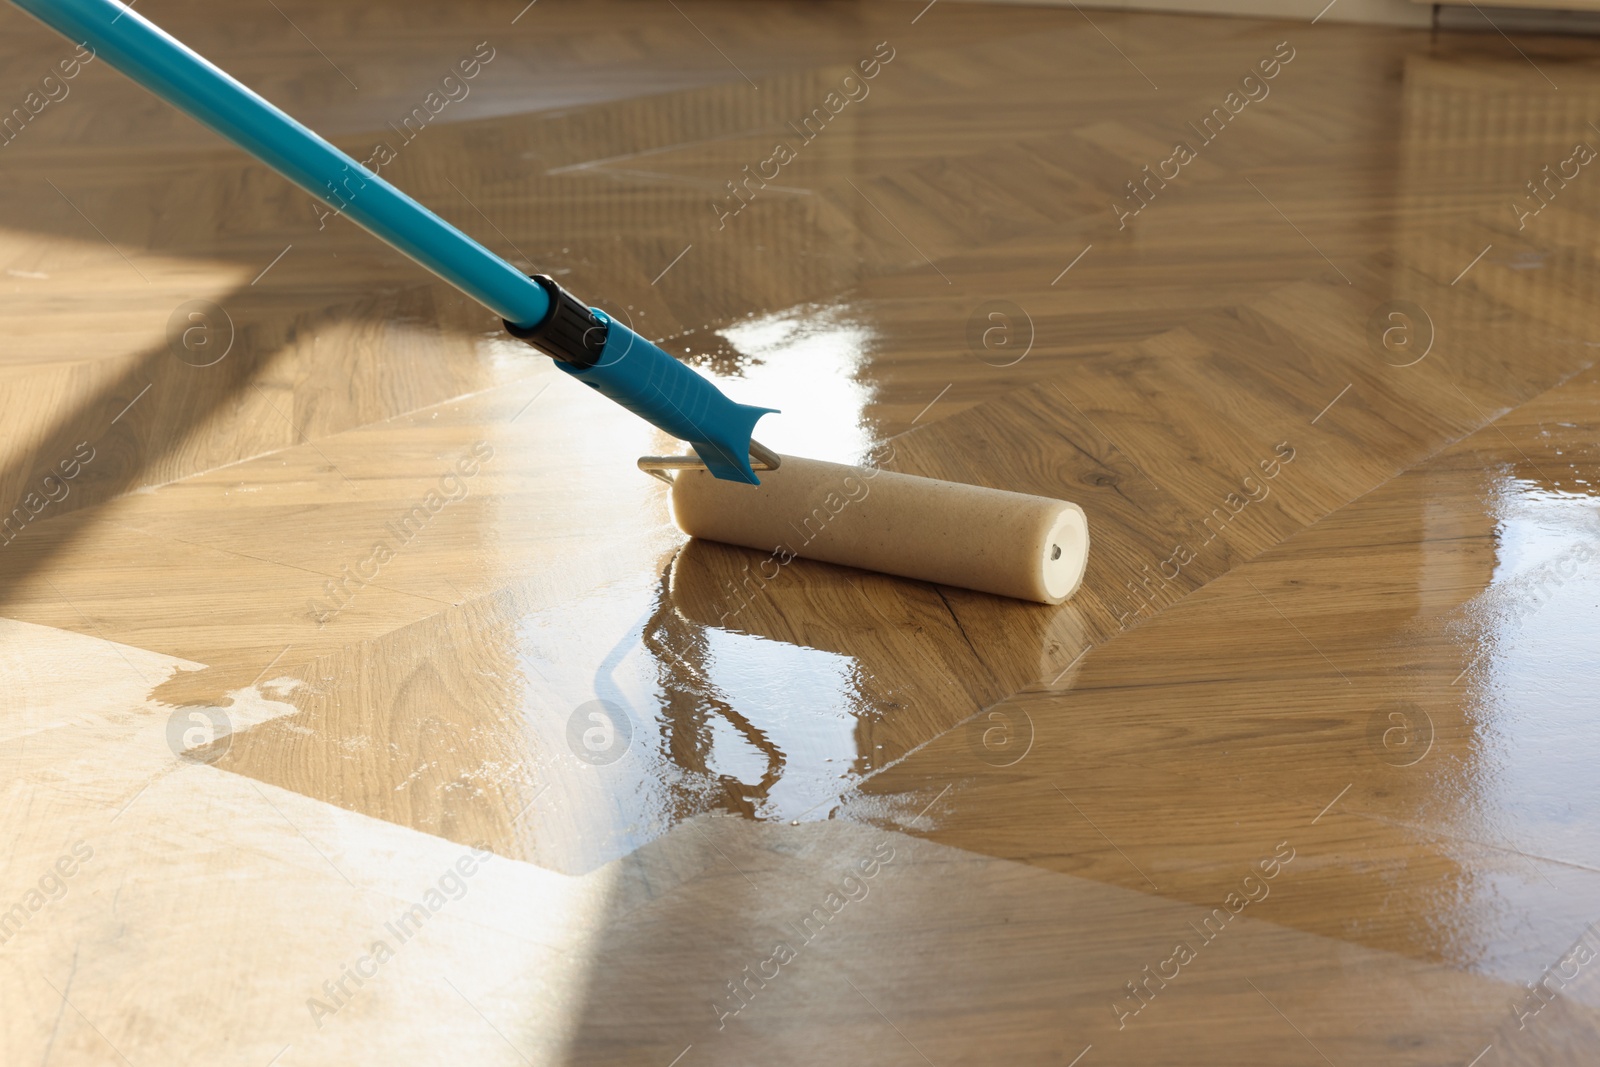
(1305, 774)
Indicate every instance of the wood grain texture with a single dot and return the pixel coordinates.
(380, 586)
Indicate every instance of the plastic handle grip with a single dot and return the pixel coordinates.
(669, 394)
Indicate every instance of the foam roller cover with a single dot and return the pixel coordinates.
(670, 394)
(991, 540)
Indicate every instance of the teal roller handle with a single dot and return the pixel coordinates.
(172, 71)
(642, 377)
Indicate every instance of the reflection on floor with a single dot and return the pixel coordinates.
(362, 704)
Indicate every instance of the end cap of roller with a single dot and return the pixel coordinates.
(1066, 554)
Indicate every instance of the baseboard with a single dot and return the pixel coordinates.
(1519, 20)
(1381, 12)
(1385, 12)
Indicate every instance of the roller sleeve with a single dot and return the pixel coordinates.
(1011, 544)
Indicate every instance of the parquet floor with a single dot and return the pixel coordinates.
(1302, 775)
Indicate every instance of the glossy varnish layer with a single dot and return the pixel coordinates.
(1329, 671)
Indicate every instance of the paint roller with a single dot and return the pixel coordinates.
(991, 540)
(1012, 544)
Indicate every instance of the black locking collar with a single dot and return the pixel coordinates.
(569, 332)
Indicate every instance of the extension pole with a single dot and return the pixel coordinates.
(585, 342)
